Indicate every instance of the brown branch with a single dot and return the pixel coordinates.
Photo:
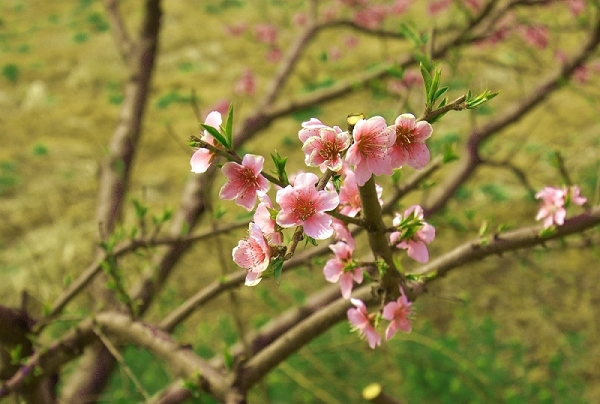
(411, 184)
(511, 115)
(126, 46)
(116, 167)
(120, 250)
(503, 242)
(277, 351)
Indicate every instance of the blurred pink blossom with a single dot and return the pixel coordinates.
(435, 7)
(244, 181)
(553, 206)
(576, 6)
(342, 268)
(299, 19)
(302, 205)
(363, 322)
(351, 41)
(371, 17)
(474, 5)
(398, 313)
(266, 33)
(334, 53)
(222, 107)
(246, 84)
(368, 154)
(274, 55)
(415, 245)
(236, 29)
(410, 147)
(554, 203)
(399, 7)
(536, 35)
(253, 253)
(202, 158)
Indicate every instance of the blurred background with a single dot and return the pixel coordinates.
(522, 327)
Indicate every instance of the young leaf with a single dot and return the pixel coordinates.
(426, 77)
(229, 126)
(215, 133)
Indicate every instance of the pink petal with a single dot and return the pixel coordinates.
(255, 163)
(318, 226)
(246, 200)
(201, 160)
(229, 191)
(417, 250)
(373, 337)
(346, 285)
(418, 155)
(333, 270)
(327, 201)
(423, 130)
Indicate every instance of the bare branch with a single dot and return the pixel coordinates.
(126, 46)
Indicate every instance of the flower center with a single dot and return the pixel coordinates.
(404, 136)
(304, 208)
(248, 178)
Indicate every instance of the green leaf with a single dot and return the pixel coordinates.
(227, 358)
(435, 83)
(277, 266)
(410, 33)
(426, 78)
(229, 126)
(439, 93)
(214, 132)
(396, 71)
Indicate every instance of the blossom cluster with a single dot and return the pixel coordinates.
(371, 148)
(554, 203)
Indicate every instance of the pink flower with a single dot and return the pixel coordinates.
(299, 19)
(474, 5)
(369, 154)
(236, 29)
(244, 181)
(574, 196)
(410, 147)
(274, 55)
(350, 41)
(324, 150)
(202, 158)
(266, 33)
(303, 205)
(341, 232)
(398, 313)
(222, 107)
(436, 7)
(342, 268)
(576, 6)
(536, 36)
(554, 203)
(414, 233)
(262, 217)
(363, 322)
(246, 85)
(310, 128)
(253, 254)
(334, 53)
(553, 206)
(399, 7)
(350, 197)
(371, 17)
